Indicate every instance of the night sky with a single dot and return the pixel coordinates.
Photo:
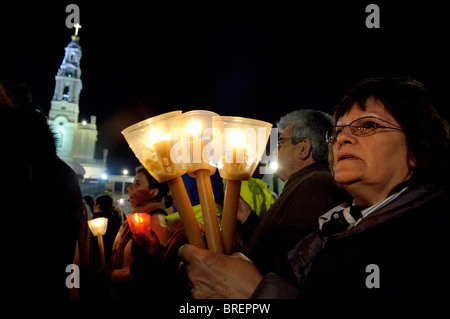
(257, 59)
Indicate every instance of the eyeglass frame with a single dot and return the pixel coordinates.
(282, 140)
(333, 140)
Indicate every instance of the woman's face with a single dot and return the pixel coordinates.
(369, 167)
(140, 190)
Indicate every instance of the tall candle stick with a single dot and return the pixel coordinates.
(101, 248)
(98, 228)
(180, 196)
(186, 212)
(204, 187)
(196, 124)
(122, 213)
(237, 162)
(230, 207)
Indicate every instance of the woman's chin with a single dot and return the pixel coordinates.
(345, 178)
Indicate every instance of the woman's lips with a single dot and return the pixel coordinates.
(347, 156)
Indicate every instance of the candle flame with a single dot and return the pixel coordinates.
(236, 138)
(154, 135)
(138, 219)
(194, 128)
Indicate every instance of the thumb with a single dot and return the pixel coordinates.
(187, 252)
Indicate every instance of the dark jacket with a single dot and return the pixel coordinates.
(110, 235)
(308, 194)
(406, 240)
(42, 210)
(159, 275)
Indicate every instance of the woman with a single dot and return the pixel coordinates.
(146, 196)
(389, 150)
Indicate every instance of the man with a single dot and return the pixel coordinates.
(308, 193)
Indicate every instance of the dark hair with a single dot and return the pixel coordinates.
(105, 201)
(410, 103)
(89, 201)
(163, 188)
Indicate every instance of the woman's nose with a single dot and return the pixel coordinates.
(345, 136)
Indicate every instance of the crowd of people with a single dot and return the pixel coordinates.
(364, 189)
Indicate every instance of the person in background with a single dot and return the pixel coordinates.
(146, 195)
(155, 267)
(389, 150)
(89, 202)
(256, 194)
(104, 208)
(255, 199)
(309, 191)
(43, 210)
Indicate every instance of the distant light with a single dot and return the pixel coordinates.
(274, 166)
(84, 122)
(104, 177)
(125, 172)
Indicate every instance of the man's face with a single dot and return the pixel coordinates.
(286, 155)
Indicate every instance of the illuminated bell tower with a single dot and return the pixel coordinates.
(64, 110)
(75, 141)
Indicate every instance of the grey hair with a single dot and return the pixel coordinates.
(312, 125)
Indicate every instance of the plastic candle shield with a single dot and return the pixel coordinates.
(199, 160)
(198, 146)
(139, 223)
(239, 144)
(238, 147)
(173, 143)
(157, 143)
(98, 226)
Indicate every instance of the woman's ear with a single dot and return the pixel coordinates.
(154, 192)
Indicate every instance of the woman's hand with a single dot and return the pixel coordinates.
(215, 276)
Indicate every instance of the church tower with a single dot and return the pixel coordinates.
(64, 106)
(75, 141)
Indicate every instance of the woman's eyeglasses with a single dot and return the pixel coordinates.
(364, 126)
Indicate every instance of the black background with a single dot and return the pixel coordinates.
(257, 59)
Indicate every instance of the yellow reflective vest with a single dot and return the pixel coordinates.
(257, 195)
(198, 214)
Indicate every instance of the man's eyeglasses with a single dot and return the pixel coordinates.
(364, 126)
(282, 140)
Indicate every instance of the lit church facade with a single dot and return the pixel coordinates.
(75, 140)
